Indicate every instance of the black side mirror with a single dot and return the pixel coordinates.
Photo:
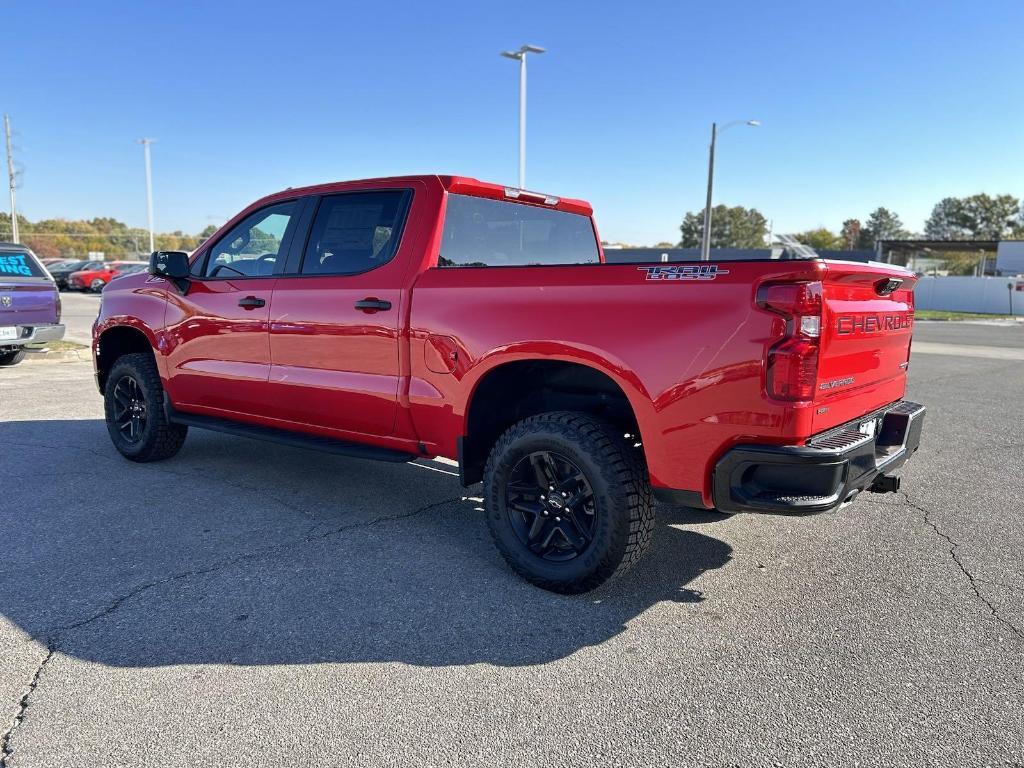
(172, 266)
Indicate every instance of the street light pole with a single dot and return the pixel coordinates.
(705, 244)
(11, 178)
(520, 56)
(149, 190)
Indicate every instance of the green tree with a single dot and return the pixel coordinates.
(850, 234)
(961, 263)
(882, 224)
(63, 237)
(735, 227)
(978, 217)
(821, 238)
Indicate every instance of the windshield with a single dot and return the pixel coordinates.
(20, 264)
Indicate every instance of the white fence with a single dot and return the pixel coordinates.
(971, 294)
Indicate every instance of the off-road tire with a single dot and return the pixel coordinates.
(621, 491)
(159, 438)
(12, 358)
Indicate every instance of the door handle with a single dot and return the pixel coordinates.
(372, 305)
(251, 302)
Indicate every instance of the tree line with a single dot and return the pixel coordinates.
(976, 217)
(68, 238)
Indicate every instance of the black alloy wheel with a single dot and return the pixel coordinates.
(551, 506)
(129, 409)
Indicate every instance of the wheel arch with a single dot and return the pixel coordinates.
(114, 342)
(510, 390)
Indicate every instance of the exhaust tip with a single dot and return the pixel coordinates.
(885, 484)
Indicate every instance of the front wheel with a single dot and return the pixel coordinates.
(12, 357)
(568, 501)
(96, 285)
(133, 404)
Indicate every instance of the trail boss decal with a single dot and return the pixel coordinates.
(684, 272)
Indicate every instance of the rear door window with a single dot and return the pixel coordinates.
(19, 264)
(355, 232)
(479, 232)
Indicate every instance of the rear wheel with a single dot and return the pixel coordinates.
(133, 402)
(12, 357)
(96, 285)
(568, 501)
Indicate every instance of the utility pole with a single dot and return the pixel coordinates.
(520, 56)
(149, 190)
(10, 178)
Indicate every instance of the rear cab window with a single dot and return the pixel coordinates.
(480, 232)
(20, 264)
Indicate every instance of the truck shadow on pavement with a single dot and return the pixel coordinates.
(243, 552)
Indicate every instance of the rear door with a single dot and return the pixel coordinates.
(218, 351)
(867, 324)
(336, 316)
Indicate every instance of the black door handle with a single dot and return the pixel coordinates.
(373, 305)
(251, 302)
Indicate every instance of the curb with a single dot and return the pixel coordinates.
(65, 356)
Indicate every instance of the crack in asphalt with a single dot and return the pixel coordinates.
(242, 557)
(953, 546)
(55, 635)
(5, 741)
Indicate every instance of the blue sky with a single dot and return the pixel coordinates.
(862, 103)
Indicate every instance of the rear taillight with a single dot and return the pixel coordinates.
(792, 364)
(59, 307)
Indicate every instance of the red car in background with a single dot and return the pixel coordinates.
(96, 279)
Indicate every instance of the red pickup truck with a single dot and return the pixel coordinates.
(428, 316)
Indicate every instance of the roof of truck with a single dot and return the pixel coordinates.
(465, 185)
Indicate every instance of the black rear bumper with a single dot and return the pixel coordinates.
(829, 470)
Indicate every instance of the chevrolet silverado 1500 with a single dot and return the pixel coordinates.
(428, 316)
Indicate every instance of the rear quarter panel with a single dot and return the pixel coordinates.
(687, 353)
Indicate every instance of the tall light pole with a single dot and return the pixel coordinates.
(11, 178)
(705, 245)
(520, 56)
(149, 190)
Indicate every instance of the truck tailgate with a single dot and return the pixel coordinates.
(867, 323)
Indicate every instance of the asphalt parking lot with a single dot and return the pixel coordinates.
(250, 604)
(78, 310)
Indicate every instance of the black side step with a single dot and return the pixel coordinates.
(286, 437)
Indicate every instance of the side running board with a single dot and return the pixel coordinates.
(286, 437)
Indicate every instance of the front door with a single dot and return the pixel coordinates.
(218, 335)
(334, 322)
